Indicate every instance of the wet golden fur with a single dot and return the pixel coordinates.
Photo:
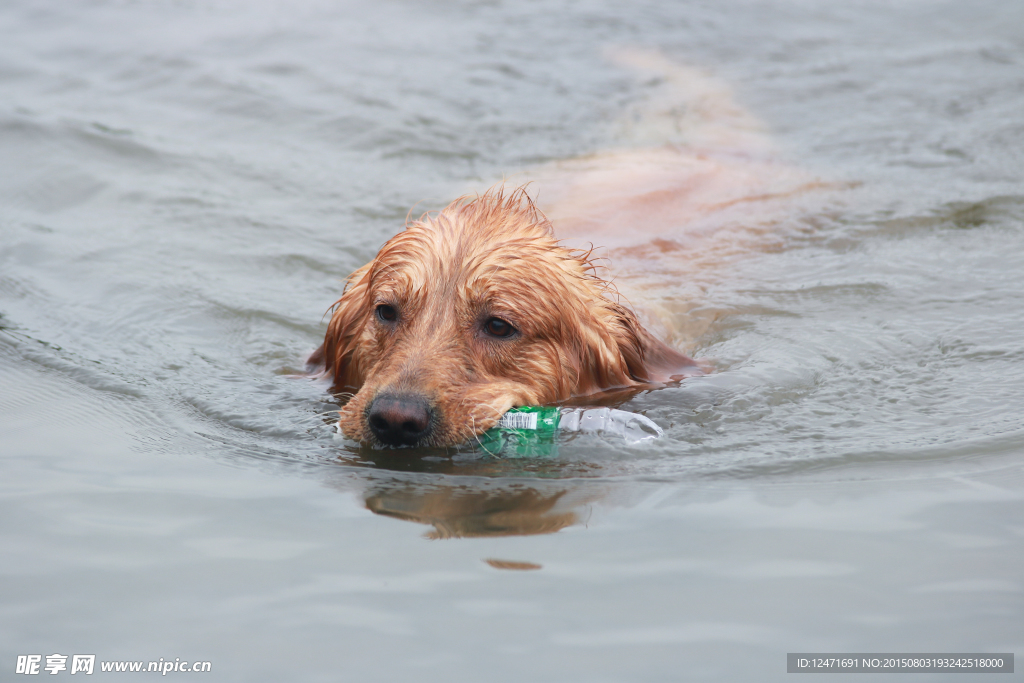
(490, 256)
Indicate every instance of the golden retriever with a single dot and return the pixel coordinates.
(479, 308)
(471, 312)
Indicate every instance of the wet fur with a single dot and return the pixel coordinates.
(446, 274)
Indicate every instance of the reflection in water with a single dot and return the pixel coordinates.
(459, 509)
(465, 495)
(468, 461)
(512, 564)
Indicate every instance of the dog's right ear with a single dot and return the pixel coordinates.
(337, 356)
(647, 359)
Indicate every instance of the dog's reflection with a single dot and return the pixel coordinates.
(460, 510)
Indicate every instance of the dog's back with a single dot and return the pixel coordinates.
(697, 181)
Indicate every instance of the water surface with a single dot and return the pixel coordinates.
(183, 188)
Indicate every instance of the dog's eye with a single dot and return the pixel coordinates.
(386, 313)
(496, 327)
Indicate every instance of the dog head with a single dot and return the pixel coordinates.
(474, 311)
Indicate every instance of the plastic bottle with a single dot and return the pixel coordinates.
(530, 430)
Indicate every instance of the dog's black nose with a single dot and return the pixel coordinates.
(399, 420)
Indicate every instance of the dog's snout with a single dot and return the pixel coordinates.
(399, 420)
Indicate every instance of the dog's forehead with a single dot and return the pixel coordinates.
(467, 257)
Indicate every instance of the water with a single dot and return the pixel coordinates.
(183, 186)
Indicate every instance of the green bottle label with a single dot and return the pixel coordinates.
(523, 431)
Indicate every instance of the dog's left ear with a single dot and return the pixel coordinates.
(647, 359)
(337, 357)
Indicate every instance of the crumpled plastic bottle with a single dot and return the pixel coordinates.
(531, 430)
